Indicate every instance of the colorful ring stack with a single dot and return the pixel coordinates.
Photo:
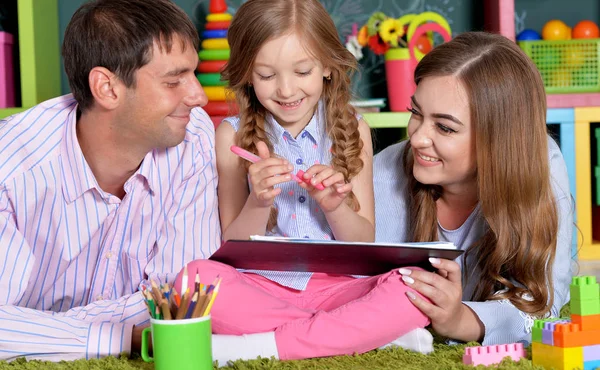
(213, 55)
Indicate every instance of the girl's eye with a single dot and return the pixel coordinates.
(307, 73)
(172, 84)
(265, 78)
(445, 129)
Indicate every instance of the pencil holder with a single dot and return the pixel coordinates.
(179, 344)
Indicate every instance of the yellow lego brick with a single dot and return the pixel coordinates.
(556, 357)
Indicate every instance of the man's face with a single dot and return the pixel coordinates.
(157, 108)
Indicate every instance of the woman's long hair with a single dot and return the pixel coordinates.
(508, 114)
(259, 21)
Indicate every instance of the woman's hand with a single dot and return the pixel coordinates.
(449, 316)
(335, 187)
(265, 174)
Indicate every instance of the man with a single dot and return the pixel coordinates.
(105, 189)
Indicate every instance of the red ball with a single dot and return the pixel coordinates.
(586, 30)
(423, 44)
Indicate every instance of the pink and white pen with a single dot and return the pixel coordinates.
(250, 157)
(244, 154)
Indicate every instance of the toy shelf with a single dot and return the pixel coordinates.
(39, 50)
(500, 18)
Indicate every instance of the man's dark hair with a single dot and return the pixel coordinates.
(119, 35)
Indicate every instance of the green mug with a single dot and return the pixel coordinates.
(179, 344)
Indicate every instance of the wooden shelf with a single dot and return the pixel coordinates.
(573, 100)
(589, 251)
(387, 119)
(39, 50)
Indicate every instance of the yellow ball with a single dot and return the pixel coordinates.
(556, 30)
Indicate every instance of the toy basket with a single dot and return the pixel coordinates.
(569, 66)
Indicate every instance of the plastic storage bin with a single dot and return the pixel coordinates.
(569, 66)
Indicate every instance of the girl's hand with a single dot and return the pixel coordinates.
(444, 289)
(335, 188)
(265, 174)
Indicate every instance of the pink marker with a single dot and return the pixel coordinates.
(244, 154)
(300, 175)
(250, 157)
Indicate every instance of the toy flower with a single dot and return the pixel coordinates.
(390, 31)
(354, 47)
(363, 36)
(378, 46)
(374, 21)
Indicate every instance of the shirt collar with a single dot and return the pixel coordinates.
(315, 127)
(77, 174)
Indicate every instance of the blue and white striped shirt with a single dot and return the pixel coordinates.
(299, 215)
(73, 256)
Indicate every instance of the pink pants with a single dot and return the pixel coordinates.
(335, 315)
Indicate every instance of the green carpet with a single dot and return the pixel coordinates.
(444, 357)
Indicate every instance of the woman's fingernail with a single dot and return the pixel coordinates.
(434, 261)
(407, 279)
(411, 295)
(404, 271)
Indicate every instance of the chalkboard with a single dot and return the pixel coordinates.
(462, 15)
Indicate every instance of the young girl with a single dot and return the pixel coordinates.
(479, 170)
(290, 76)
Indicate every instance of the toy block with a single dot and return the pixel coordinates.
(591, 353)
(549, 329)
(557, 358)
(488, 355)
(587, 322)
(570, 335)
(538, 327)
(591, 365)
(584, 308)
(584, 288)
(536, 331)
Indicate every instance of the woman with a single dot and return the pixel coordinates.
(479, 170)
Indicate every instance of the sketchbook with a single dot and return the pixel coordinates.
(327, 256)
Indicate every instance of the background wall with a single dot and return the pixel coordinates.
(462, 15)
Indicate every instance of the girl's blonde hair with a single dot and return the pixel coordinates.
(508, 115)
(259, 21)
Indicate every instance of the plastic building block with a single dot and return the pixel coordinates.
(591, 365)
(538, 327)
(591, 353)
(570, 335)
(584, 288)
(587, 322)
(557, 358)
(487, 355)
(549, 329)
(584, 308)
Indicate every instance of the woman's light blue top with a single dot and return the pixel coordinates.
(503, 322)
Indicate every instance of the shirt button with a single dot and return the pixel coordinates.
(306, 237)
(304, 134)
(299, 161)
(302, 199)
(108, 255)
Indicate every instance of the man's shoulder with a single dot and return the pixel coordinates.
(200, 131)
(29, 137)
